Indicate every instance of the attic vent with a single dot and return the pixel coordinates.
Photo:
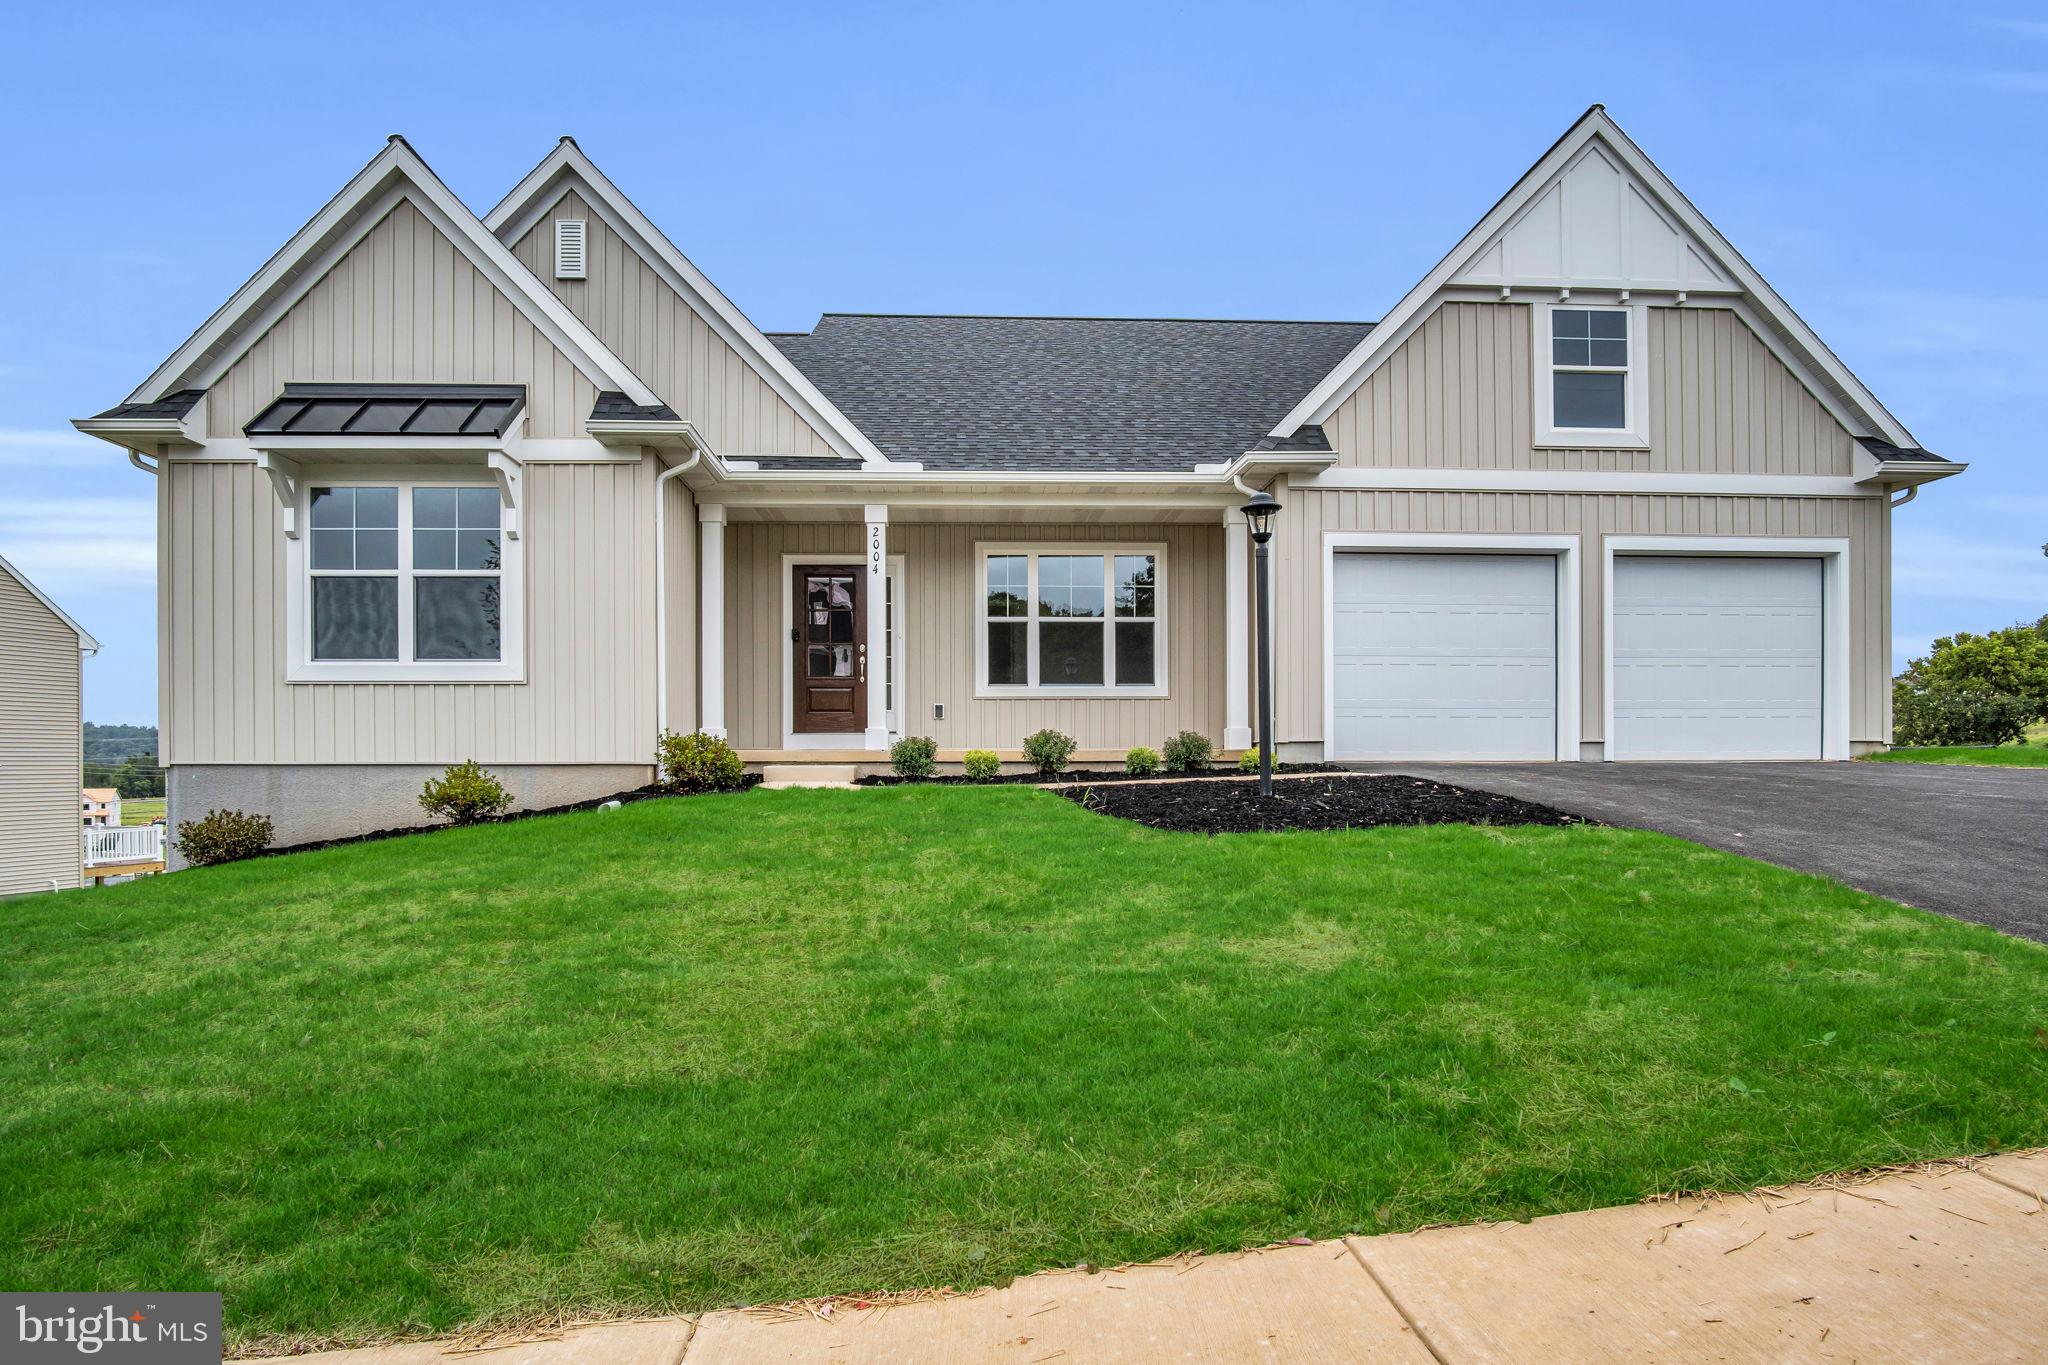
(569, 248)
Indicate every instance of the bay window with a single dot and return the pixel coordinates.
(1061, 620)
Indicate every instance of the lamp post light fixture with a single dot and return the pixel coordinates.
(1259, 514)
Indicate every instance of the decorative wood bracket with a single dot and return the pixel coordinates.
(508, 473)
(284, 481)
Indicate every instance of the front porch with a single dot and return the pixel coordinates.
(1117, 620)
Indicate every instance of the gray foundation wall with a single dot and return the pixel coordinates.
(309, 802)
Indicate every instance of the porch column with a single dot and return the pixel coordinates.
(877, 659)
(711, 619)
(1237, 596)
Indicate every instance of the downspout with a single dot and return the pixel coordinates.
(661, 585)
(1912, 492)
(135, 458)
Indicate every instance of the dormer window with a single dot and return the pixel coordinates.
(1595, 395)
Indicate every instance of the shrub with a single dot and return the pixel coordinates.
(2011, 662)
(222, 836)
(1248, 761)
(1141, 761)
(1048, 751)
(914, 756)
(698, 762)
(1948, 714)
(981, 764)
(465, 794)
(1188, 752)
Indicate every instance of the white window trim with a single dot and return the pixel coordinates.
(1108, 550)
(1564, 547)
(852, 739)
(1833, 552)
(1634, 434)
(300, 665)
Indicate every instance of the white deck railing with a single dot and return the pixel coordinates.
(124, 844)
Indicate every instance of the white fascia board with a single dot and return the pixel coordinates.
(85, 641)
(1412, 310)
(518, 211)
(394, 173)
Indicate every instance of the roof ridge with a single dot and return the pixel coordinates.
(1102, 317)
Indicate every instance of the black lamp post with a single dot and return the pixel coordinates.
(1259, 514)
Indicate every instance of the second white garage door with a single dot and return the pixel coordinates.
(1444, 656)
(1716, 658)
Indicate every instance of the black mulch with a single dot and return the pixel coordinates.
(1093, 778)
(747, 783)
(1357, 802)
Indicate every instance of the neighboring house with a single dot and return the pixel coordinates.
(527, 488)
(41, 738)
(102, 806)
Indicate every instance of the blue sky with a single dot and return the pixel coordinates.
(1880, 163)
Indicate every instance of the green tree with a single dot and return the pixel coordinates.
(2011, 662)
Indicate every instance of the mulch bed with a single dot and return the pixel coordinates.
(1362, 801)
(747, 783)
(1089, 777)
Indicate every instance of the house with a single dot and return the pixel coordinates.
(101, 806)
(528, 488)
(42, 744)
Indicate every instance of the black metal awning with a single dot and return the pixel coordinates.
(391, 410)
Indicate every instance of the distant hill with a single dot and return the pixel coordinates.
(110, 744)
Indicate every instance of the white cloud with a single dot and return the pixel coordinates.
(34, 449)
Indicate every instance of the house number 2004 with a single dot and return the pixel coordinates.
(874, 549)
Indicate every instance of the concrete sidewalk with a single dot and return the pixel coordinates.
(1945, 1263)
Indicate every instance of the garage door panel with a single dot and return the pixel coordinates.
(1717, 658)
(1449, 656)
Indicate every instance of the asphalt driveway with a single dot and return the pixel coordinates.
(1967, 842)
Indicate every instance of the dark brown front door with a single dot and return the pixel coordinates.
(829, 651)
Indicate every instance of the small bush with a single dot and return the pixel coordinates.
(1248, 762)
(698, 762)
(981, 764)
(1048, 751)
(914, 756)
(465, 794)
(1188, 752)
(1946, 714)
(223, 836)
(1141, 761)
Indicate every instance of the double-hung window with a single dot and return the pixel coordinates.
(1594, 394)
(1071, 620)
(405, 580)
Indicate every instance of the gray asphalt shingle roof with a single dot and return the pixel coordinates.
(170, 405)
(994, 393)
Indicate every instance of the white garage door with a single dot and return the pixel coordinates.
(1444, 656)
(1717, 658)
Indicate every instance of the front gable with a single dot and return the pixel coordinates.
(1594, 220)
(412, 253)
(404, 304)
(644, 296)
(662, 335)
(1595, 224)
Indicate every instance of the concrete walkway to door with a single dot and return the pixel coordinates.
(1971, 843)
(1947, 1262)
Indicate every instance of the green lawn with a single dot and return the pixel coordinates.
(140, 810)
(731, 1049)
(2032, 754)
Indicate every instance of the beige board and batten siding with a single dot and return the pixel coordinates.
(588, 698)
(1456, 395)
(1299, 587)
(405, 306)
(40, 744)
(667, 342)
(939, 621)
